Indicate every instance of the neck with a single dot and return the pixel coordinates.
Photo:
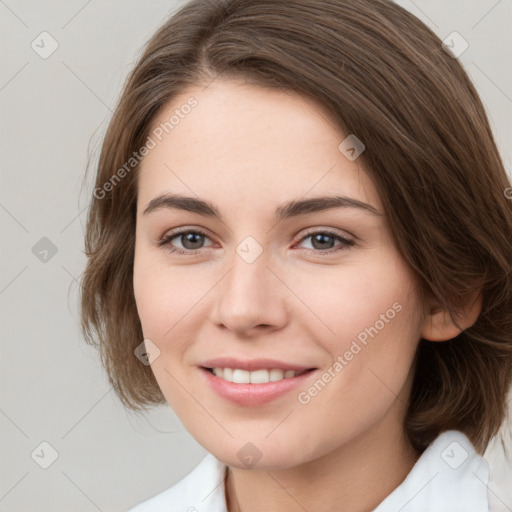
(356, 477)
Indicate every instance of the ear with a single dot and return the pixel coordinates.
(438, 325)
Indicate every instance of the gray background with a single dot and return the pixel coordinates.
(52, 386)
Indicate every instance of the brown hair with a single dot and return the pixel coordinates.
(384, 76)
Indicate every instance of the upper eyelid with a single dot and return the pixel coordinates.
(333, 231)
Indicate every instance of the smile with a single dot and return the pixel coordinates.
(256, 387)
(239, 376)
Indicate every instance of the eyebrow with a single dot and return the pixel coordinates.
(285, 211)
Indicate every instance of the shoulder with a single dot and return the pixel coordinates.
(201, 489)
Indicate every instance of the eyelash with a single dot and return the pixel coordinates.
(166, 241)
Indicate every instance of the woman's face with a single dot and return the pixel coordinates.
(310, 287)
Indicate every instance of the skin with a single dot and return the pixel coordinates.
(248, 149)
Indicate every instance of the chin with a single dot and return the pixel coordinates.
(253, 456)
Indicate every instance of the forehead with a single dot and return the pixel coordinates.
(245, 141)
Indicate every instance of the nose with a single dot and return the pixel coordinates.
(250, 297)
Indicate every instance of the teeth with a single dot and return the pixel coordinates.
(255, 377)
(227, 374)
(241, 376)
(276, 374)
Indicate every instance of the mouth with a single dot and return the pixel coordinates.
(253, 388)
(260, 376)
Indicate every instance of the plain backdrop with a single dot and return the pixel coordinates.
(53, 110)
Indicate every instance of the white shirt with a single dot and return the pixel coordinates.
(449, 476)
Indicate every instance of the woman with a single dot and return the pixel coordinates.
(340, 338)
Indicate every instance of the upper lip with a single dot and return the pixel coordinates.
(252, 364)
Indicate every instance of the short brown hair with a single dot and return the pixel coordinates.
(384, 76)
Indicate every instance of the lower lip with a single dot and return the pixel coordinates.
(253, 394)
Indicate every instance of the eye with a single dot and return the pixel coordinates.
(322, 242)
(190, 239)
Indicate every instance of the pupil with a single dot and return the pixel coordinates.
(189, 238)
(320, 238)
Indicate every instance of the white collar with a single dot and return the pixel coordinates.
(449, 476)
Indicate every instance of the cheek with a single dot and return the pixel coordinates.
(356, 300)
(375, 323)
(145, 284)
(163, 298)
(154, 296)
(368, 375)
(169, 300)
